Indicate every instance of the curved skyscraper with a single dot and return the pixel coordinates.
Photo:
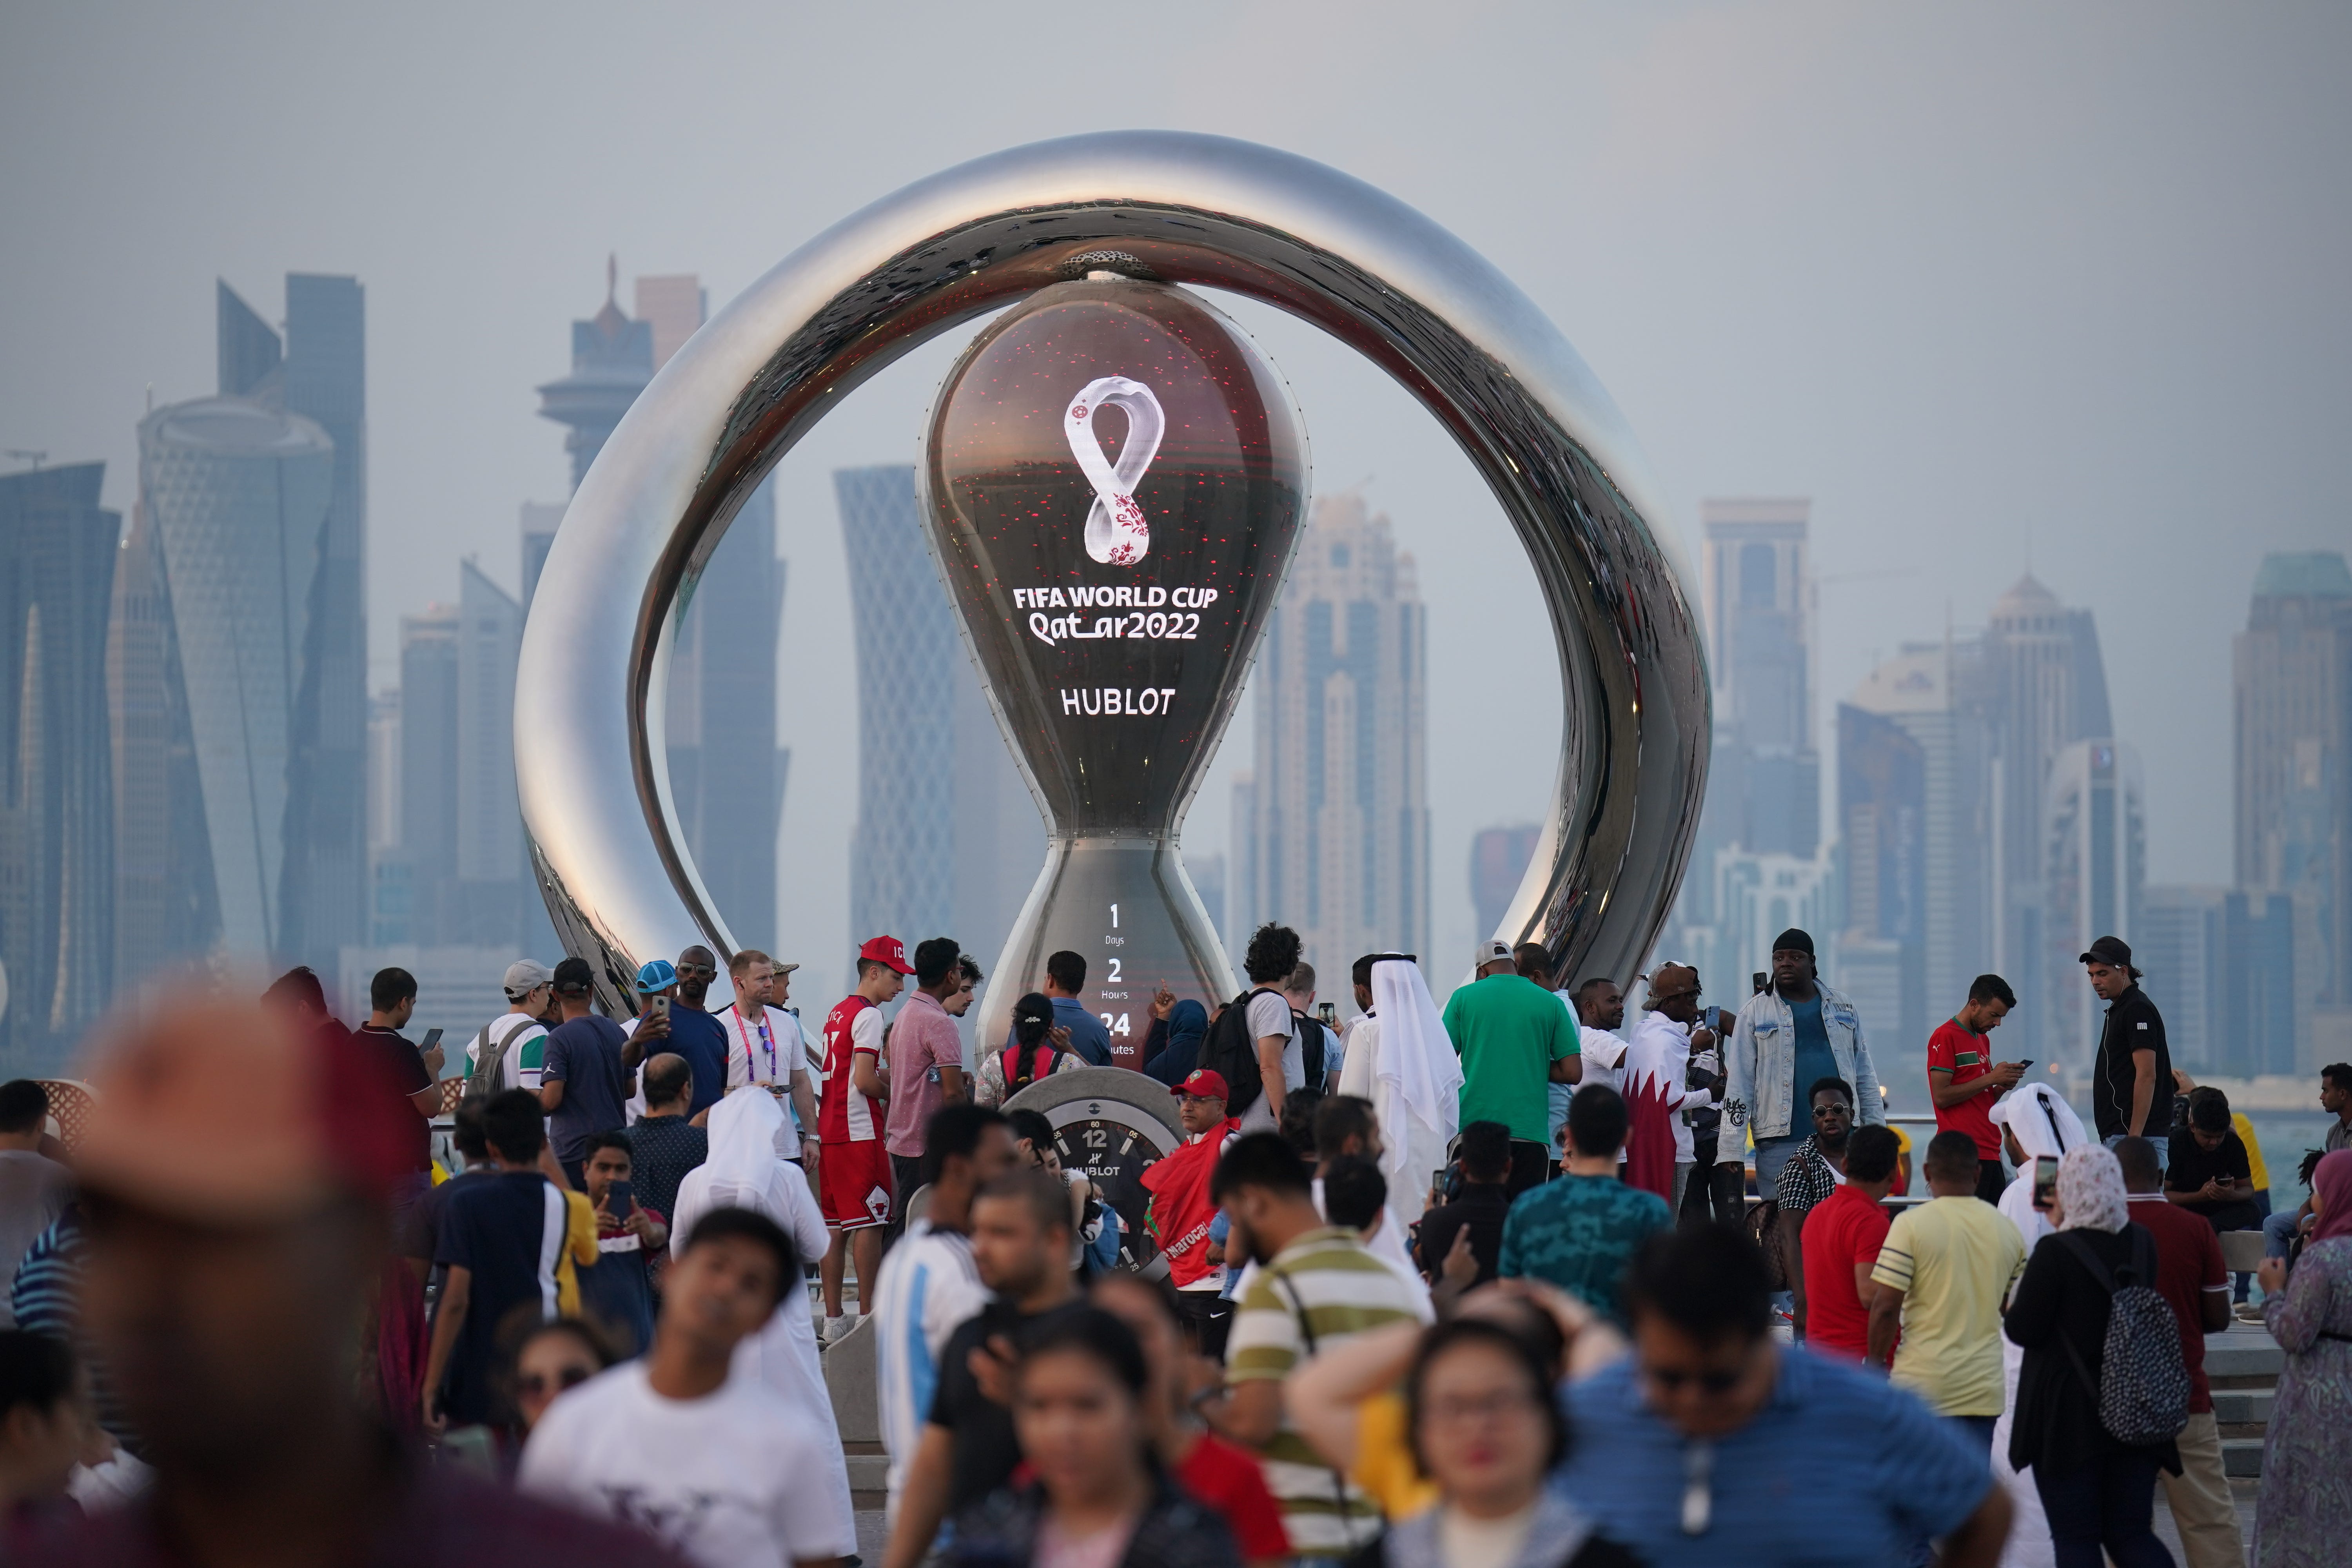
(238, 491)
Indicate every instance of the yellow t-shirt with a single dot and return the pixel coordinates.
(2262, 1172)
(1956, 1259)
(578, 1249)
(1384, 1465)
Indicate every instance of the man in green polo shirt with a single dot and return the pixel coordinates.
(1514, 1037)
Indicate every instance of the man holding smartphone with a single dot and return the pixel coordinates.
(392, 1002)
(1963, 1080)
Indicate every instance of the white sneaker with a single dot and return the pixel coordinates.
(2248, 1313)
(834, 1329)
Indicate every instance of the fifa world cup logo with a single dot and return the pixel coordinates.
(1117, 534)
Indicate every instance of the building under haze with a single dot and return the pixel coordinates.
(2095, 864)
(58, 553)
(949, 840)
(611, 359)
(1336, 816)
(1498, 863)
(2294, 816)
(238, 491)
(1913, 773)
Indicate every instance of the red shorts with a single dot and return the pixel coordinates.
(853, 1184)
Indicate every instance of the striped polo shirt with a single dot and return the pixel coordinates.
(1321, 1290)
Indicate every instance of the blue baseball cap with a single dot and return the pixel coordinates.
(658, 975)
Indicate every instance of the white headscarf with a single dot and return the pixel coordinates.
(2091, 1191)
(1417, 1093)
(2043, 1123)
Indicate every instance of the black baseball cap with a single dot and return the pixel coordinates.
(2112, 951)
(574, 977)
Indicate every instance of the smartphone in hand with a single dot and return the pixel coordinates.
(2045, 1181)
(619, 1199)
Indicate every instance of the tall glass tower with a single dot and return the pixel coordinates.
(57, 549)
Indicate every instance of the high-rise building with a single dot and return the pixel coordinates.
(489, 817)
(2294, 701)
(325, 878)
(611, 359)
(1340, 826)
(238, 491)
(58, 552)
(1913, 779)
(2044, 687)
(540, 521)
(949, 840)
(2094, 843)
(2261, 1017)
(674, 305)
(167, 906)
(415, 881)
(2179, 954)
(1498, 862)
(1759, 593)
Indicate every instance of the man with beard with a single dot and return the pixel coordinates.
(1808, 1177)
(1316, 1286)
(238, 1187)
(1658, 1149)
(1793, 1034)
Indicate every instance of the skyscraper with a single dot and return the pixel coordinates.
(1759, 598)
(2294, 701)
(238, 491)
(417, 878)
(611, 359)
(2095, 843)
(1339, 821)
(326, 872)
(1913, 781)
(166, 904)
(947, 841)
(2042, 686)
(2180, 952)
(57, 550)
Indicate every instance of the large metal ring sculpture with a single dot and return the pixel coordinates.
(590, 757)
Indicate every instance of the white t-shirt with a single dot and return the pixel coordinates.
(727, 1481)
(512, 1073)
(750, 1059)
(928, 1286)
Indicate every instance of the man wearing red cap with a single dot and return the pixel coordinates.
(1181, 1211)
(238, 1184)
(853, 1166)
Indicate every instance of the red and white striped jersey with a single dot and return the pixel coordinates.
(843, 1114)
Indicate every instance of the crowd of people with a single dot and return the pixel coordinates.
(1505, 1284)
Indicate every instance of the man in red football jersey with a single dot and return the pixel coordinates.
(853, 1165)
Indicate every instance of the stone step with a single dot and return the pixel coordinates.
(2242, 1354)
(2242, 1456)
(2244, 1405)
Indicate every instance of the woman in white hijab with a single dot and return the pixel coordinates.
(2038, 1123)
(743, 1171)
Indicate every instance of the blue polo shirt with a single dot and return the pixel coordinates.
(1838, 1467)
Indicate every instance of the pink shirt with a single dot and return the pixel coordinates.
(922, 1037)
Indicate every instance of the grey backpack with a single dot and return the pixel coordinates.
(2142, 1391)
(489, 1058)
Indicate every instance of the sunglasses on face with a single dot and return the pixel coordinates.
(1831, 1112)
(706, 971)
(1714, 1380)
(538, 1382)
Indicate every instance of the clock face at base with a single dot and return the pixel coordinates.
(1113, 1145)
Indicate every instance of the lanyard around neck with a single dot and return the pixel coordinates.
(767, 1038)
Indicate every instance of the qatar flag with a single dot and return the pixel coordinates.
(1651, 1075)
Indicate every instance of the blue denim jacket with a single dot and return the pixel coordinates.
(1759, 1068)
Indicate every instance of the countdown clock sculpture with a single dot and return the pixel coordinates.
(1165, 212)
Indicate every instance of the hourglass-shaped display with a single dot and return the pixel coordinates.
(1114, 476)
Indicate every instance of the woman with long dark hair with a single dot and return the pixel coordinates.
(1039, 1049)
(1096, 1494)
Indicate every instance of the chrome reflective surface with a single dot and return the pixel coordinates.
(1182, 208)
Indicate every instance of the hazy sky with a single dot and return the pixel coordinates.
(2064, 282)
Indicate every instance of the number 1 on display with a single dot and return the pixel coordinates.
(1114, 917)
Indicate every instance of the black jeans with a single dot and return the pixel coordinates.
(2109, 1503)
(1992, 1179)
(1715, 1191)
(1532, 1165)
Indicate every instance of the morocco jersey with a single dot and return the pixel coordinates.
(853, 1029)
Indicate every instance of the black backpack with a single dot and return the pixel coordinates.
(1230, 1053)
(2142, 1390)
(1312, 1044)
